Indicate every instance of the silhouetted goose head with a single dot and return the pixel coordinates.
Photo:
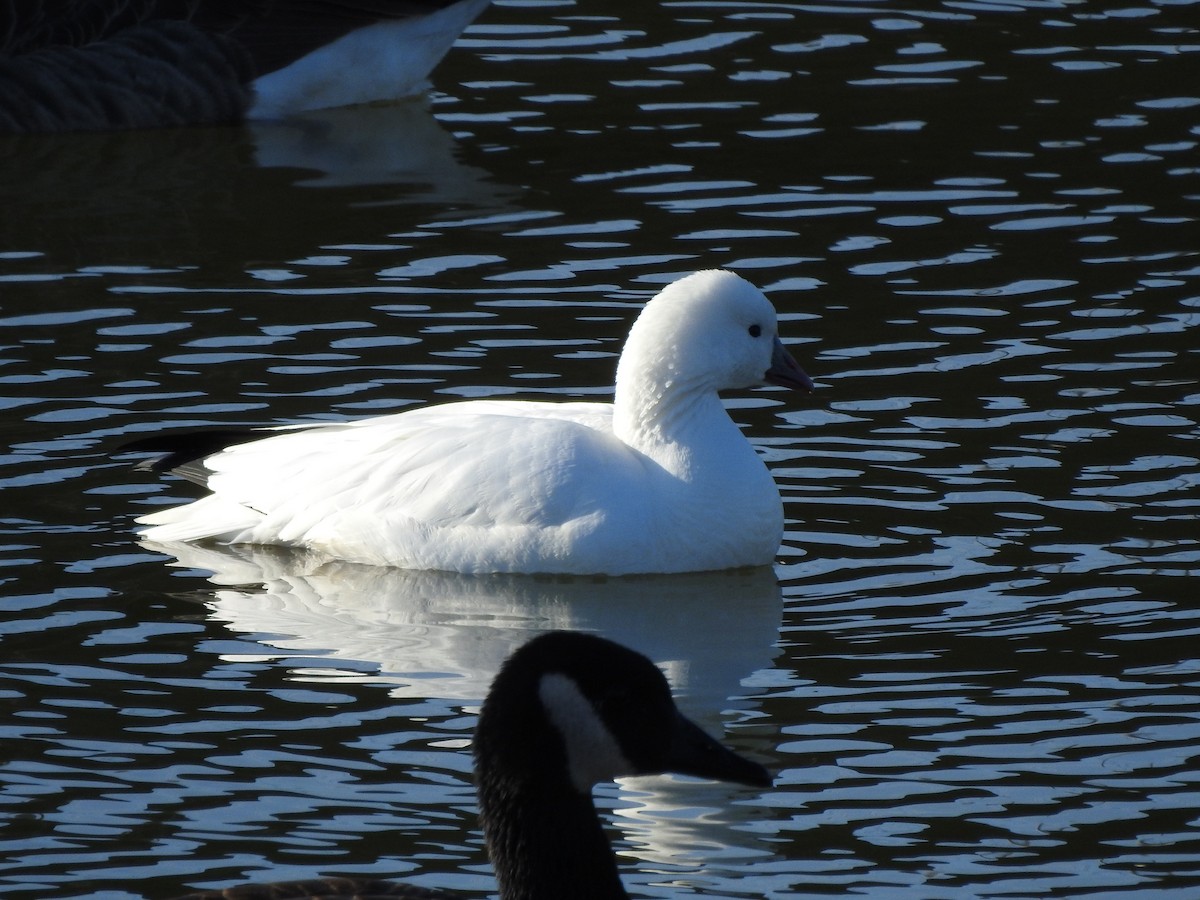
(566, 711)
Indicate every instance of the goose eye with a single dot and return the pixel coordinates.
(755, 330)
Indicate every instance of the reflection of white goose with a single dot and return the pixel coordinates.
(565, 712)
(661, 480)
(443, 635)
(114, 64)
(393, 143)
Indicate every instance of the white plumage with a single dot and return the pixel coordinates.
(661, 480)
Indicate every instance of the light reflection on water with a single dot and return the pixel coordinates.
(977, 673)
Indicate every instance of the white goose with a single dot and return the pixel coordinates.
(568, 710)
(661, 480)
(110, 64)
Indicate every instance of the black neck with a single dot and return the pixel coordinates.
(546, 842)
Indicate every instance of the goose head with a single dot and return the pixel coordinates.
(709, 331)
(592, 710)
(566, 711)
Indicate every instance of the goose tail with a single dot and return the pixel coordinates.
(209, 518)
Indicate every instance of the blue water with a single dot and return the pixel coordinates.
(973, 667)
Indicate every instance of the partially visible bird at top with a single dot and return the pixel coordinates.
(96, 65)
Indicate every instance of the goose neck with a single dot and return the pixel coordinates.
(546, 841)
(677, 414)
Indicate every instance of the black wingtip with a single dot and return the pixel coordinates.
(184, 448)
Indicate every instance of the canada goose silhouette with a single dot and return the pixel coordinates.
(92, 65)
(661, 480)
(566, 711)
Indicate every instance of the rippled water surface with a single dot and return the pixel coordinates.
(975, 666)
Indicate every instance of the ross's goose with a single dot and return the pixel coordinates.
(661, 480)
(568, 710)
(108, 64)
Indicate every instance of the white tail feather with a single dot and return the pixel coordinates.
(209, 517)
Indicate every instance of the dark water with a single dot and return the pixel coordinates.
(975, 667)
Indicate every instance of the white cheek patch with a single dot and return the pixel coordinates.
(593, 754)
